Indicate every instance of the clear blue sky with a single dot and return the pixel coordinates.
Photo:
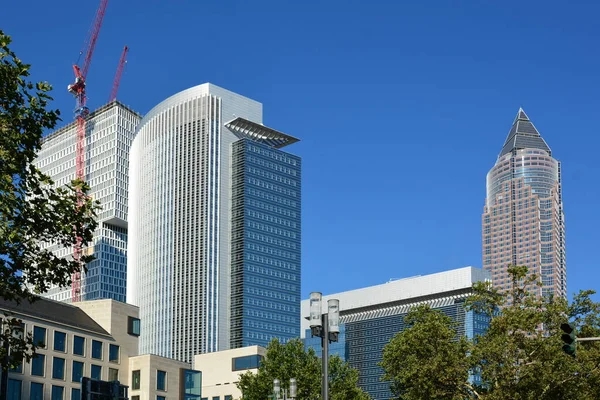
(402, 108)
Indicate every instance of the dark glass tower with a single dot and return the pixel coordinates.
(265, 274)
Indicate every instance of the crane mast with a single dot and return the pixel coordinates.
(117, 80)
(81, 112)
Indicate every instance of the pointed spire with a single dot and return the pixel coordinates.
(523, 135)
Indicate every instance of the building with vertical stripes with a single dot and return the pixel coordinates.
(214, 213)
(523, 219)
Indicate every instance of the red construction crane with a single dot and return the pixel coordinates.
(81, 112)
(117, 80)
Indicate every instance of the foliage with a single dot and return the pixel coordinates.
(414, 359)
(290, 360)
(519, 357)
(32, 210)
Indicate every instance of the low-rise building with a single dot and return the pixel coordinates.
(221, 370)
(370, 317)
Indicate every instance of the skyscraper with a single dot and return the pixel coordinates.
(109, 132)
(214, 255)
(523, 220)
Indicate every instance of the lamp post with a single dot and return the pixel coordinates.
(277, 390)
(327, 327)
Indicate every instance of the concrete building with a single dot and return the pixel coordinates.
(221, 370)
(109, 132)
(371, 316)
(214, 252)
(96, 339)
(74, 345)
(523, 219)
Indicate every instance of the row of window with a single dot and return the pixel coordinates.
(36, 391)
(38, 368)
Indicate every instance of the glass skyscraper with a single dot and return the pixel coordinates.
(370, 317)
(523, 220)
(109, 132)
(214, 254)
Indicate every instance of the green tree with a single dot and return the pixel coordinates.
(426, 361)
(520, 356)
(290, 360)
(32, 210)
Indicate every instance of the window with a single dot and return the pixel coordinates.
(77, 371)
(228, 397)
(96, 372)
(79, 345)
(97, 349)
(247, 362)
(14, 390)
(57, 392)
(39, 336)
(160, 398)
(113, 353)
(58, 368)
(193, 384)
(36, 391)
(38, 365)
(216, 398)
(135, 397)
(133, 326)
(161, 380)
(135, 380)
(113, 374)
(60, 341)
(75, 394)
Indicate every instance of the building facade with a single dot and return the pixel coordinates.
(370, 317)
(109, 132)
(523, 219)
(221, 371)
(94, 339)
(73, 345)
(214, 255)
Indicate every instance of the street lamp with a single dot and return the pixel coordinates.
(327, 327)
(277, 390)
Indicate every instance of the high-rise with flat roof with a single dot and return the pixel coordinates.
(109, 132)
(523, 220)
(214, 252)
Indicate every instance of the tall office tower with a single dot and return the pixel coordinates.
(523, 220)
(214, 251)
(109, 132)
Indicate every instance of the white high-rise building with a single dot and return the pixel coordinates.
(109, 132)
(214, 249)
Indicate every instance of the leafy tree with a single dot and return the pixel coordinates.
(290, 360)
(519, 357)
(32, 210)
(425, 361)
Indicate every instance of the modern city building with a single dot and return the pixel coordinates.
(109, 132)
(214, 216)
(523, 219)
(370, 317)
(221, 370)
(93, 339)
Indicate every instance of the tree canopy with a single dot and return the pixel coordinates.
(290, 360)
(32, 210)
(519, 357)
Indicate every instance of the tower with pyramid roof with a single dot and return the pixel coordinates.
(523, 220)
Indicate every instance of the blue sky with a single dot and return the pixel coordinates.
(401, 107)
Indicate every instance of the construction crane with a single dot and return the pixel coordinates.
(117, 80)
(81, 112)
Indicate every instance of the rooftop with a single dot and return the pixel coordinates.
(53, 311)
(242, 127)
(523, 135)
